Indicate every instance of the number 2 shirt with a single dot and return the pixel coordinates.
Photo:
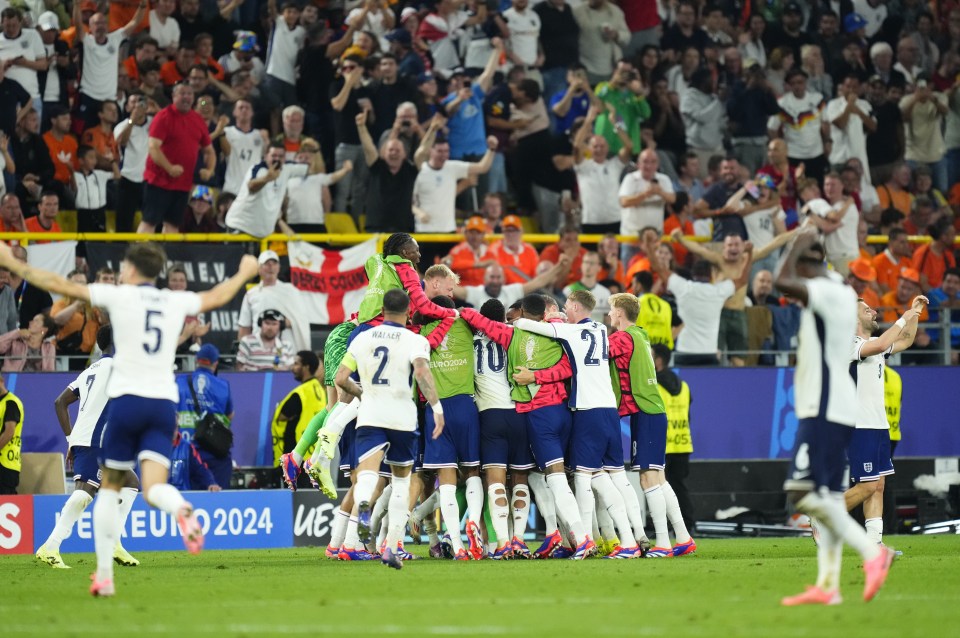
(146, 325)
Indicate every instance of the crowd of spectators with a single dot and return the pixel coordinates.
(729, 121)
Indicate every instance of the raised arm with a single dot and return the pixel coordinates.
(787, 280)
(775, 244)
(695, 247)
(411, 282)
(485, 81)
(544, 279)
(499, 332)
(370, 154)
(131, 26)
(423, 150)
(43, 279)
(352, 79)
(900, 335)
(486, 162)
(536, 327)
(222, 293)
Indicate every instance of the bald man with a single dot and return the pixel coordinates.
(644, 195)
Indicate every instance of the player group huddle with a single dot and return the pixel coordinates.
(529, 394)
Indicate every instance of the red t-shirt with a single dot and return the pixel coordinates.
(182, 136)
(640, 16)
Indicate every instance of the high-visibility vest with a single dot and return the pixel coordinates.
(679, 440)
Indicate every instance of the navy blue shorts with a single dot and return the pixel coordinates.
(819, 456)
(348, 460)
(86, 465)
(648, 437)
(459, 443)
(503, 440)
(869, 453)
(548, 430)
(595, 441)
(400, 447)
(138, 428)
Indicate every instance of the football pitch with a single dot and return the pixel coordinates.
(729, 588)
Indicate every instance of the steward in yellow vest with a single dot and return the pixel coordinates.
(11, 427)
(892, 400)
(295, 411)
(677, 399)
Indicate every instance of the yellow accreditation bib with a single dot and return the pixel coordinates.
(10, 453)
(313, 398)
(892, 400)
(678, 420)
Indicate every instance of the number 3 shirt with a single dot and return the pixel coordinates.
(146, 325)
(868, 373)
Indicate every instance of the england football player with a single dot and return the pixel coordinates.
(595, 447)
(869, 451)
(83, 441)
(826, 405)
(141, 414)
(388, 358)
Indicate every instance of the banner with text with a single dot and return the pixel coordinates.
(335, 278)
(206, 265)
(312, 518)
(231, 520)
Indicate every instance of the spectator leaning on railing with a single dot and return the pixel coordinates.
(30, 349)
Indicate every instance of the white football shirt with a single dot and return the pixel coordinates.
(100, 62)
(284, 47)
(599, 183)
(91, 388)
(146, 325)
(435, 191)
(650, 212)
(246, 151)
(257, 213)
(588, 349)
(29, 46)
(823, 386)
(868, 372)
(493, 388)
(384, 356)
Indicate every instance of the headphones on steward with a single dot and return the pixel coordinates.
(269, 315)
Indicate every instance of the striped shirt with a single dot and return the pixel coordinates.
(256, 354)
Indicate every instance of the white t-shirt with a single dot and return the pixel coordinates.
(698, 306)
(304, 199)
(598, 184)
(600, 292)
(800, 118)
(51, 90)
(650, 212)
(827, 324)
(165, 33)
(588, 348)
(146, 325)
(435, 191)
(374, 23)
(760, 227)
(92, 188)
(524, 33)
(384, 356)
(873, 15)
(257, 213)
(91, 388)
(492, 386)
(231, 65)
(100, 62)
(246, 151)
(29, 46)
(509, 294)
(842, 242)
(851, 140)
(284, 47)
(871, 409)
(133, 156)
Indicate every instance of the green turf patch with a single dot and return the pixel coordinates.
(729, 588)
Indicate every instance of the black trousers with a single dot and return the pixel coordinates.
(677, 470)
(129, 201)
(9, 480)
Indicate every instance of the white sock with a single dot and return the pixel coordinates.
(499, 511)
(521, 509)
(365, 486)
(831, 511)
(605, 525)
(874, 529)
(674, 515)
(351, 539)
(383, 529)
(583, 490)
(430, 527)
(380, 509)
(612, 502)
(69, 515)
(829, 553)
(127, 497)
(164, 497)
(424, 511)
(544, 499)
(658, 512)
(106, 517)
(474, 495)
(567, 508)
(634, 478)
(297, 458)
(399, 507)
(630, 501)
(339, 528)
(450, 512)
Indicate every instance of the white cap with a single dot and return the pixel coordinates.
(406, 13)
(48, 21)
(266, 256)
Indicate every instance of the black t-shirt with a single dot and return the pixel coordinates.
(390, 197)
(716, 196)
(291, 410)
(33, 301)
(12, 97)
(674, 39)
(775, 37)
(883, 145)
(386, 98)
(316, 76)
(345, 121)
(559, 35)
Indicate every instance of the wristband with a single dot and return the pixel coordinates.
(437, 408)
(900, 322)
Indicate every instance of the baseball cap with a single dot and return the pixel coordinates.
(457, 71)
(271, 315)
(202, 192)
(512, 221)
(407, 13)
(48, 21)
(853, 21)
(400, 35)
(266, 256)
(910, 274)
(863, 270)
(246, 41)
(476, 223)
(423, 78)
(208, 353)
(793, 7)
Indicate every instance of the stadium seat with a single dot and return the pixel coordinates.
(530, 225)
(67, 219)
(340, 224)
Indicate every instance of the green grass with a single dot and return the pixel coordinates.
(729, 588)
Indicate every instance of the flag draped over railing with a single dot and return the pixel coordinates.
(334, 279)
